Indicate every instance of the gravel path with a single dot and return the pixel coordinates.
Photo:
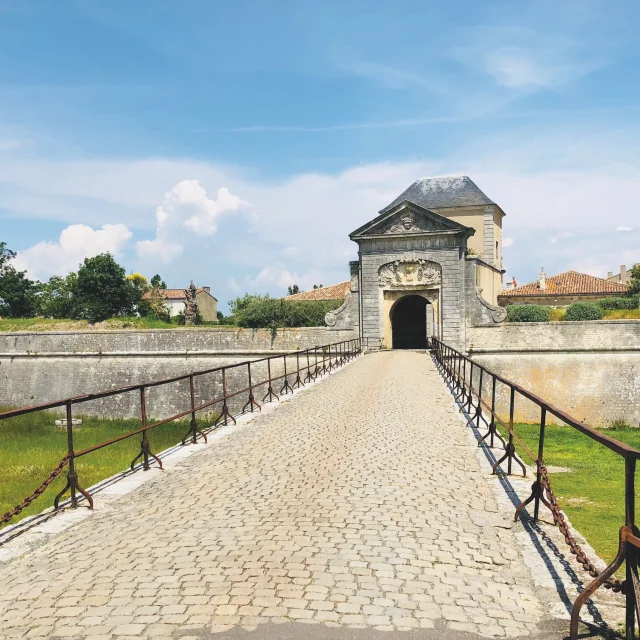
(359, 503)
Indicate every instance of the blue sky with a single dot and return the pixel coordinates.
(237, 144)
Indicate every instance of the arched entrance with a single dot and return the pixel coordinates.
(409, 323)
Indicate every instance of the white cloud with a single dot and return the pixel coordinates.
(507, 242)
(560, 236)
(186, 207)
(76, 242)
(524, 59)
(624, 228)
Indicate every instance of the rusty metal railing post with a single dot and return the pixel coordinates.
(145, 447)
(194, 429)
(479, 408)
(72, 474)
(298, 382)
(510, 450)
(540, 463)
(286, 387)
(470, 399)
(251, 402)
(307, 377)
(270, 394)
(224, 413)
(631, 550)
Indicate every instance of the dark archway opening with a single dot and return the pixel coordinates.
(409, 323)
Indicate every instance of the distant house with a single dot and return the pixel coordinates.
(622, 277)
(332, 292)
(174, 301)
(561, 290)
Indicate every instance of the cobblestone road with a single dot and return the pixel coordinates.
(356, 503)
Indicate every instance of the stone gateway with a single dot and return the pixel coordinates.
(429, 264)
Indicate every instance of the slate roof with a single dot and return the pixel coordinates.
(568, 283)
(171, 294)
(332, 292)
(442, 192)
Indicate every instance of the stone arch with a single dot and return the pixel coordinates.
(408, 316)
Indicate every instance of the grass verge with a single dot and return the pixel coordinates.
(124, 322)
(31, 446)
(591, 490)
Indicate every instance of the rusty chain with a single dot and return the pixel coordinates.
(618, 586)
(37, 493)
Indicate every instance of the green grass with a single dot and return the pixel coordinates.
(31, 446)
(592, 492)
(124, 322)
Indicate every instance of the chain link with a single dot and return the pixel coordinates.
(618, 586)
(37, 493)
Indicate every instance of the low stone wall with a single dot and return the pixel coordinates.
(589, 369)
(43, 367)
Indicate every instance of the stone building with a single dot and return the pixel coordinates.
(430, 263)
(174, 301)
(562, 290)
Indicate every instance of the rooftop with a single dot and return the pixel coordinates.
(440, 192)
(332, 292)
(567, 283)
(172, 294)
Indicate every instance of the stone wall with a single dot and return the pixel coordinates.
(47, 366)
(589, 369)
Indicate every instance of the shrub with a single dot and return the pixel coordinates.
(584, 311)
(528, 313)
(630, 302)
(271, 313)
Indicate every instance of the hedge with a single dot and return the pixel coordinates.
(630, 302)
(272, 313)
(528, 313)
(584, 311)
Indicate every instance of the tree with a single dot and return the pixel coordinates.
(157, 282)
(18, 294)
(317, 286)
(634, 281)
(57, 298)
(293, 289)
(103, 290)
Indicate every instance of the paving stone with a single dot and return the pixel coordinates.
(353, 504)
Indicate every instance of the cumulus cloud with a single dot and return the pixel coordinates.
(187, 208)
(507, 242)
(76, 242)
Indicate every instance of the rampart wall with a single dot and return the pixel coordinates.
(46, 366)
(589, 369)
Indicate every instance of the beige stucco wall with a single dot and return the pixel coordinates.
(489, 281)
(470, 217)
(207, 306)
(497, 231)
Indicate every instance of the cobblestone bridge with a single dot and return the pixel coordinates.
(360, 503)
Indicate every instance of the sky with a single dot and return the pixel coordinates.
(238, 144)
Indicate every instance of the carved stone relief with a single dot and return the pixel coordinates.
(403, 273)
(408, 223)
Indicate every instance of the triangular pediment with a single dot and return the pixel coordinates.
(407, 218)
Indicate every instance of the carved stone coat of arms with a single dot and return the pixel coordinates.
(402, 273)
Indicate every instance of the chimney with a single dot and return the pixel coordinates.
(623, 273)
(207, 289)
(609, 275)
(542, 283)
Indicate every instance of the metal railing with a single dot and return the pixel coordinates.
(306, 367)
(474, 388)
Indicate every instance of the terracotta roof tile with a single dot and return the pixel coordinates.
(567, 283)
(332, 292)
